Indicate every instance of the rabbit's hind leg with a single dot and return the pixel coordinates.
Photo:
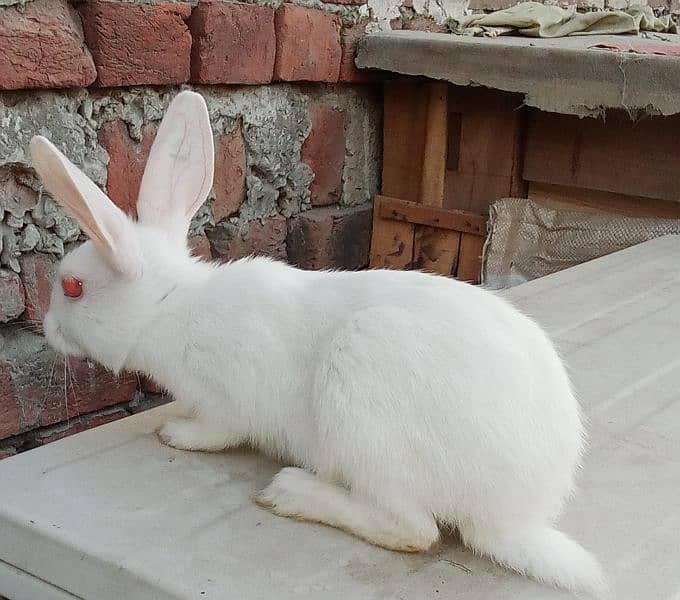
(196, 434)
(301, 495)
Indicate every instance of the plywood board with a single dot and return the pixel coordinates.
(404, 122)
(484, 148)
(436, 250)
(391, 242)
(612, 155)
(620, 204)
(470, 258)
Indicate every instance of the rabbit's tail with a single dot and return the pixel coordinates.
(543, 553)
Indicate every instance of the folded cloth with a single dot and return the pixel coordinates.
(539, 20)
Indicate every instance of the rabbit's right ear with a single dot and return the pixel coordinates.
(106, 225)
(179, 173)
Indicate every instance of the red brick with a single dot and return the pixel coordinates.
(232, 43)
(307, 45)
(200, 247)
(230, 175)
(7, 452)
(324, 152)
(349, 40)
(42, 46)
(10, 415)
(264, 239)
(12, 297)
(127, 160)
(149, 386)
(138, 44)
(47, 398)
(330, 238)
(79, 424)
(37, 273)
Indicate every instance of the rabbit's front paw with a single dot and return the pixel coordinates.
(192, 434)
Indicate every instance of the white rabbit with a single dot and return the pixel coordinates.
(404, 401)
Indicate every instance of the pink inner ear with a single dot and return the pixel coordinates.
(179, 171)
(107, 226)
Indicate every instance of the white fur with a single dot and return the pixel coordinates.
(405, 400)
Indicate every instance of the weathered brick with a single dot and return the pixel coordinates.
(37, 273)
(324, 152)
(138, 44)
(348, 2)
(50, 390)
(42, 46)
(330, 238)
(349, 40)
(10, 417)
(81, 423)
(149, 386)
(127, 160)
(200, 247)
(232, 43)
(307, 45)
(230, 175)
(228, 242)
(12, 297)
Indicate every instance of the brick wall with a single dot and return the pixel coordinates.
(297, 139)
(297, 136)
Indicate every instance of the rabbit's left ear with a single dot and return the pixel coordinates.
(107, 226)
(179, 173)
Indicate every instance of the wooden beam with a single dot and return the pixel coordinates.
(608, 202)
(442, 218)
(433, 169)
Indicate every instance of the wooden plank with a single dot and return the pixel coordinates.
(404, 123)
(436, 250)
(434, 152)
(613, 155)
(488, 148)
(443, 218)
(391, 242)
(620, 204)
(470, 258)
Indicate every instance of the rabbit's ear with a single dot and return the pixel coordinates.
(179, 172)
(106, 225)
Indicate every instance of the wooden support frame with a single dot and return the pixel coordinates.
(449, 152)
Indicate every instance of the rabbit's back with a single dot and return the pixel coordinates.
(445, 378)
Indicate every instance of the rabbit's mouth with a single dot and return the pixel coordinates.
(58, 341)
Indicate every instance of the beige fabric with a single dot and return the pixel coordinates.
(539, 20)
(528, 239)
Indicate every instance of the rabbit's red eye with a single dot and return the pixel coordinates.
(73, 287)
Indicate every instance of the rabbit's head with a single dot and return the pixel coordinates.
(110, 287)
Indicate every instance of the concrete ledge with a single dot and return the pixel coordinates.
(565, 75)
(110, 513)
